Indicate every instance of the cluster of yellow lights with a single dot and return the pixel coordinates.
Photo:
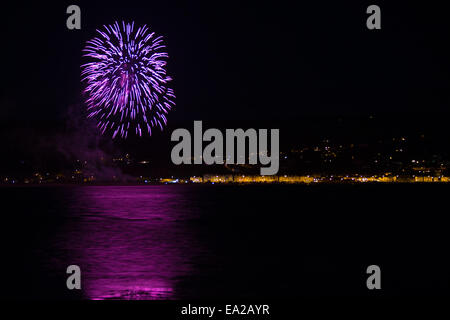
(310, 179)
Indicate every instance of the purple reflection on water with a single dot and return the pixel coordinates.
(131, 242)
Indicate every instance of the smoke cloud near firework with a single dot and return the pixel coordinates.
(81, 144)
(126, 80)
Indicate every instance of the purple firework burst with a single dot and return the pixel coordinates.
(126, 80)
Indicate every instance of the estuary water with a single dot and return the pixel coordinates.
(223, 241)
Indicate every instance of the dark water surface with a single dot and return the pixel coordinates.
(205, 241)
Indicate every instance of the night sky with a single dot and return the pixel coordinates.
(231, 62)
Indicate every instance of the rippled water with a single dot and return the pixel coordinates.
(131, 242)
(177, 242)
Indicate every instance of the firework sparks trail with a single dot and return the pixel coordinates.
(126, 80)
